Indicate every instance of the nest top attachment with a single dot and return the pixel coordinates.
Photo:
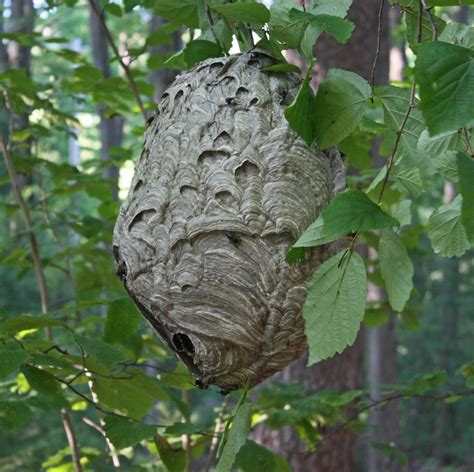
(222, 189)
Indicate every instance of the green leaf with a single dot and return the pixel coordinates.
(124, 433)
(402, 212)
(335, 305)
(252, 457)
(107, 354)
(338, 27)
(179, 378)
(348, 212)
(122, 322)
(396, 268)
(10, 360)
(288, 33)
(282, 68)
(24, 322)
(236, 438)
(14, 414)
(445, 74)
(252, 13)
(178, 429)
(131, 394)
(465, 166)
(459, 34)
(374, 317)
(446, 232)
(113, 9)
(184, 12)
(411, 168)
(340, 103)
(174, 459)
(43, 382)
(441, 149)
(199, 50)
(300, 113)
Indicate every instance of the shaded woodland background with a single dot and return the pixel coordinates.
(58, 54)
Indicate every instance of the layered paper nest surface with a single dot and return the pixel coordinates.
(221, 191)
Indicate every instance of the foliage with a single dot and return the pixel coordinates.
(89, 354)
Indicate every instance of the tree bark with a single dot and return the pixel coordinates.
(111, 129)
(343, 372)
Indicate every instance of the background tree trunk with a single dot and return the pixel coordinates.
(111, 129)
(343, 372)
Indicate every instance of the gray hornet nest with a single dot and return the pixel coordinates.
(221, 191)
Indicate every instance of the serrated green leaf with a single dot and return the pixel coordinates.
(179, 378)
(288, 33)
(43, 382)
(396, 268)
(199, 50)
(24, 322)
(340, 103)
(300, 113)
(336, 26)
(252, 13)
(178, 429)
(107, 354)
(465, 166)
(184, 12)
(124, 433)
(114, 9)
(14, 414)
(122, 322)
(236, 438)
(446, 232)
(282, 68)
(374, 317)
(129, 394)
(441, 149)
(335, 305)
(402, 212)
(445, 74)
(459, 34)
(10, 360)
(348, 212)
(253, 456)
(174, 459)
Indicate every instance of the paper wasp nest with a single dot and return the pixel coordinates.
(221, 191)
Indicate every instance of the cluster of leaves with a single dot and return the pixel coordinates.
(96, 360)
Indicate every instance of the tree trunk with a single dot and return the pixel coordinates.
(111, 129)
(343, 372)
(162, 78)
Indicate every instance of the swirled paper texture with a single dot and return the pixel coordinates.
(221, 191)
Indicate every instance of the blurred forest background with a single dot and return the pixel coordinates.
(75, 126)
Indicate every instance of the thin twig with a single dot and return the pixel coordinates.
(434, 32)
(377, 51)
(43, 287)
(124, 66)
(399, 134)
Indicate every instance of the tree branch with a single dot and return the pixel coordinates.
(66, 419)
(124, 66)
